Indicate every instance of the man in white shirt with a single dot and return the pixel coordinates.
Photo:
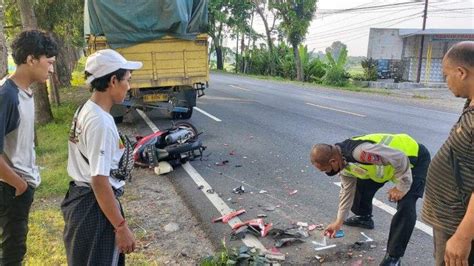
(96, 232)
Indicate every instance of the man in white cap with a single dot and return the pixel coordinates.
(96, 232)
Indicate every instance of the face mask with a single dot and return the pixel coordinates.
(332, 173)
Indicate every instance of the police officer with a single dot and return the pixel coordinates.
(365, 164)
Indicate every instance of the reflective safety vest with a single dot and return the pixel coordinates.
(382, 173)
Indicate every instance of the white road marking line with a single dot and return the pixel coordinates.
(337, 110)
(240, 88)
(221, 206)
(422, 226)
(208, 114)
(147, 120)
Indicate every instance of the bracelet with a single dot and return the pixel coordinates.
(119, 225)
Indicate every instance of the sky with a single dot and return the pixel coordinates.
(352, 28)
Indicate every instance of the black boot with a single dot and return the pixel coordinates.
(364, 221)
(390, 261)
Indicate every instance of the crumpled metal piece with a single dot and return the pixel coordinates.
(288, 241)
(239, 190)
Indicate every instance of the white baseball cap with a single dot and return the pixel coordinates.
(106, 61)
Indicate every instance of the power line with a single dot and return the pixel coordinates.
(332, 32)
(359, 35)
(336, 11)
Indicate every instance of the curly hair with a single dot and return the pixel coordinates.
(33, 42)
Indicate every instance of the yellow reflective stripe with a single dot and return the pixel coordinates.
(379, 170)
(386, 140)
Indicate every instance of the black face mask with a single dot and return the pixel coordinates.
(332, 173)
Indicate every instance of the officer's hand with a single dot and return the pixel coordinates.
(332, 228)
(395, 195)
(457, 250)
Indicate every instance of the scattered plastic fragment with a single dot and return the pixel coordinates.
(261, 215)
(210, 191)
(222, 163)
(367, 239)
(227, 217)
(200, 187)
(339, 234)
(239, 190)
(238, 165)
(293, 192)
(232, 153)
(325, 247)
(311, 227)
(256, 224)
(302, 224)
(262, 191)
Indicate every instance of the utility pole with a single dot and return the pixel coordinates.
(420, 55)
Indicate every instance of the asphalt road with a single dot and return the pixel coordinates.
(268, 128)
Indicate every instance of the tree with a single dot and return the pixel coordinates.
(65, 20)
(335, 49)
(295, 15)
(43, 112)
(261, 8)
(217, 19)
(239, 21)
(3, 44)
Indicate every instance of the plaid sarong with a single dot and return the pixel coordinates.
(88, 235)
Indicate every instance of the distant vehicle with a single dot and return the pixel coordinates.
(167, 36)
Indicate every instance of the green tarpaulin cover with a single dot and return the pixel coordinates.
(128, 22)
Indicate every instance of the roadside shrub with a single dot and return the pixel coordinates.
(370, 69)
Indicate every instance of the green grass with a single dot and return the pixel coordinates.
(349, 87)
(45, 243)
(52, 151)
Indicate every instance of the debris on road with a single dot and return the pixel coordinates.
(288, 241)
(275, 256)
(262, 215)
(325, 247)
(238, 165)
(239, 190)
(232, 153)
(262, 191)
(210, 191)
(222, 163)
(200, 187)
(293, 192)
(277, 233)
(367, 239)
(227, 217)
(302, 224)
(256, 224)
(312, 227)
(319, 258)
(339, 234)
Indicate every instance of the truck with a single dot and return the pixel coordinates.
(168, 37)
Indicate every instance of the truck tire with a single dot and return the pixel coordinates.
(179, 115)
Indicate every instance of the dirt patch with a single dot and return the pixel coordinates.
(151, 205)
